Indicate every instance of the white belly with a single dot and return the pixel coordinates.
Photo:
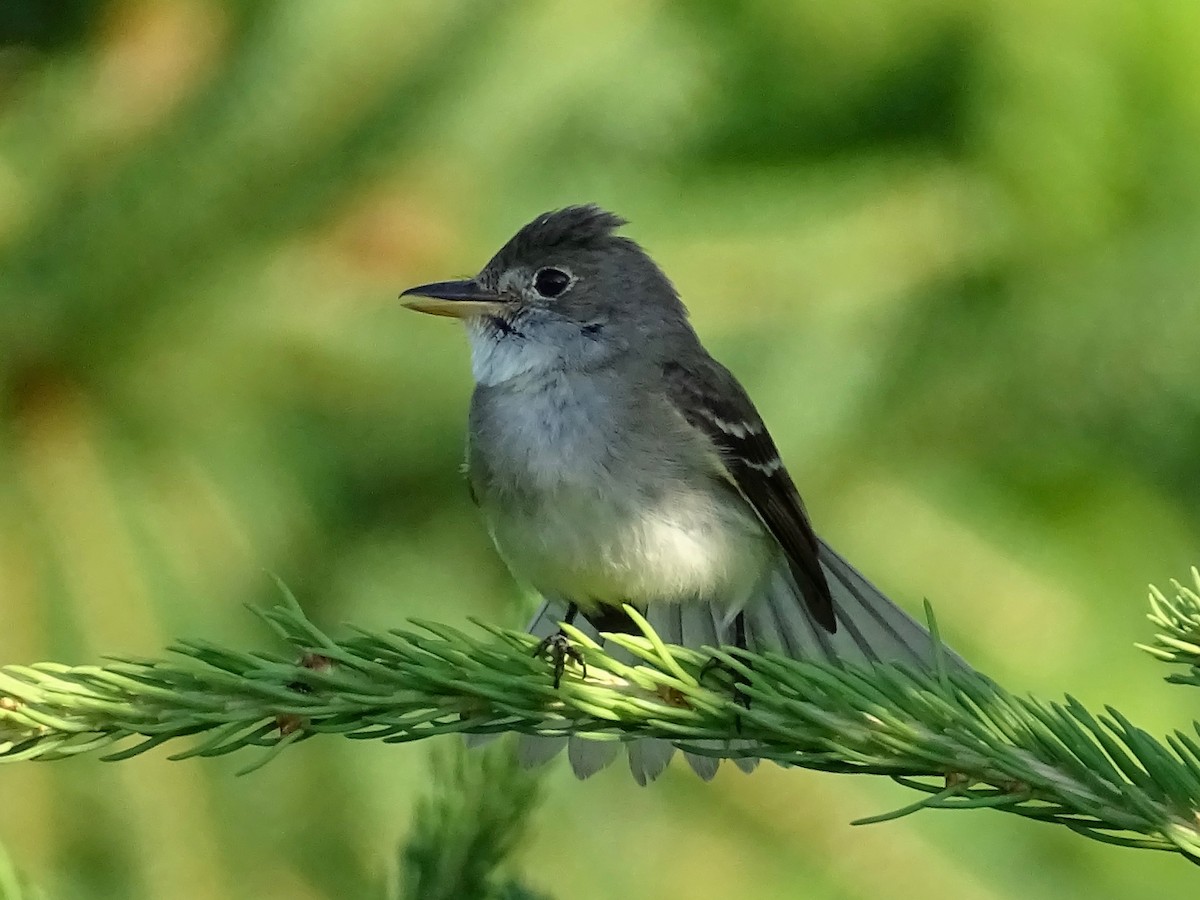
(589, 548)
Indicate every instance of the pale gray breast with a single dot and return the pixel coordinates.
(563, 432)
(594, 491)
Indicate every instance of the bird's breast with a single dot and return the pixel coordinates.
(605, 503)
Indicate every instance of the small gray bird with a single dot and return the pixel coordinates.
(616, 462)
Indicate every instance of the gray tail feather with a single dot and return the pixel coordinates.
(876, 628)
(871, 628)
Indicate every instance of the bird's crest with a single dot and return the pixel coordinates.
(573, 226)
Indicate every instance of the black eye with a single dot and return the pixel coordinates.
(551, 282)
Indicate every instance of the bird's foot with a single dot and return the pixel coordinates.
(559, 648)
(734, 678)
(730, 679)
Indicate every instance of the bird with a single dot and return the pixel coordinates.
(615, 461)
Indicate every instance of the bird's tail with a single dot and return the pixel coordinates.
(871, 628)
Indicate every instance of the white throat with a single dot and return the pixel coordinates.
(496, 358)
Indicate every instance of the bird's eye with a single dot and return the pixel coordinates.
(551, 282)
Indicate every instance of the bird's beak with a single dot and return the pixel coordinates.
(459, 299)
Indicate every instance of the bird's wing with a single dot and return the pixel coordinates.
(712, 400)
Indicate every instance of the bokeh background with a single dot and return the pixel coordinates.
(950, 246)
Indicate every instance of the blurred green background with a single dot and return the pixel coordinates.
(950, 247)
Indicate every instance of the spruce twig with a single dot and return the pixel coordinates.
(1178, 621)
(466, 828)
(957, 737)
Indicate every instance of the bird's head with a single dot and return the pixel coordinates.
(564, 291)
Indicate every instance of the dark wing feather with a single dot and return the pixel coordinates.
(710, 398)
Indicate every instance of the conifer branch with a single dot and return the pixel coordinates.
(956, 737)
(466, 828)
(1178, 620)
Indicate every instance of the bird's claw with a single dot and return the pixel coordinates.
(730, 680)
(559, 648)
